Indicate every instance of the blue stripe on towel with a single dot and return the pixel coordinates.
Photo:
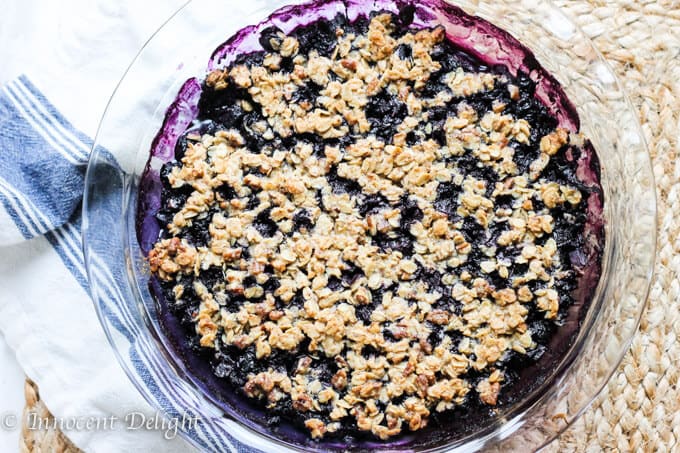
(80, 141)
(35, 164)
(16, 211)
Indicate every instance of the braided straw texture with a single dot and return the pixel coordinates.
(639, 410)
(43, 440)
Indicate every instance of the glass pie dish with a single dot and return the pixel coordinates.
(119, 273)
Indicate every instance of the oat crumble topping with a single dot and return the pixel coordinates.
(393, 254)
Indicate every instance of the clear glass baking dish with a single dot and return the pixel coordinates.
(119, 275)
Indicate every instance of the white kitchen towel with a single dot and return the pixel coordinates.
(73, 53)
(46, 314)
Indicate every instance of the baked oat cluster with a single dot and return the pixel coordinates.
(374, 235)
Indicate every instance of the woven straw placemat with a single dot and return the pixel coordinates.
(44, 440)
(639, 410)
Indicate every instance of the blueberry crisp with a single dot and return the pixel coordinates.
(366, 227)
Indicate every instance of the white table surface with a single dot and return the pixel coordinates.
(11, 398)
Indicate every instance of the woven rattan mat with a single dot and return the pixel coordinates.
(639, 410)
(41, 441)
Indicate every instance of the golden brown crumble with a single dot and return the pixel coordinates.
(492, 320)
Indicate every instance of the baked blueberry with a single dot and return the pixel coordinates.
(373, 229)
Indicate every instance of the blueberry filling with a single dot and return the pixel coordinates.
(331, 225)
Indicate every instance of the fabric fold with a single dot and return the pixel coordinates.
(42, 163)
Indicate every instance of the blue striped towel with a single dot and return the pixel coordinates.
(42, 166)
(46, 314)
